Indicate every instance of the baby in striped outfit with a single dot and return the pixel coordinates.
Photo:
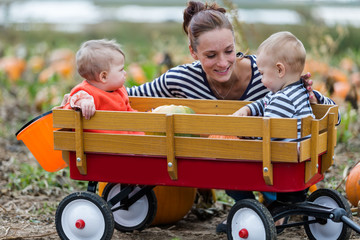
(281, 60)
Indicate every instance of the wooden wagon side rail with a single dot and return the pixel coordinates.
(167, 142)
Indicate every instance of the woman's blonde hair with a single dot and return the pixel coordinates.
(95, 56)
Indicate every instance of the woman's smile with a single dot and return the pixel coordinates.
(223, 72)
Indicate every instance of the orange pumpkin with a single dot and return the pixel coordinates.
(223, 137)
(13, 67)
(137, 73)
(36, 64)
(173, 203)
(341, 89)
(352, 185)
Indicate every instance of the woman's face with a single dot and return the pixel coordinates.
(216, 52)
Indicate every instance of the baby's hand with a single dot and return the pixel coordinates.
(244, 111)
(87, 108)
(65, 99)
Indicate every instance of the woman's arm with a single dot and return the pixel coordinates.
(184, 81)
(156, 88)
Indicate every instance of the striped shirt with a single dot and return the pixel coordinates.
(189, 81)
(290, 102)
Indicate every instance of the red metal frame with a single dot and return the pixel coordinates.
(192, 172)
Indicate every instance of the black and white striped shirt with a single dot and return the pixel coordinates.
(290, 102)
(189, 81)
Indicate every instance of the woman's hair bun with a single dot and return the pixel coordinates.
(194, 7)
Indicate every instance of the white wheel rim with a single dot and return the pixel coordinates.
(136, 213)
(246, 218)
(87, 211)
(330, 230)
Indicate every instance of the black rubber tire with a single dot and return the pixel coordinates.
(260, 210)
(150, 198)
(341, 202)
(93, 199)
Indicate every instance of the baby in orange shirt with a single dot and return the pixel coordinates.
(101, 64)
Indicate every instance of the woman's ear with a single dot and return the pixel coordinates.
(281, 69)
(193, 53)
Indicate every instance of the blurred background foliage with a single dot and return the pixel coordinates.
(37, 62)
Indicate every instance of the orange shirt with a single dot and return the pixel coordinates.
(117, 100)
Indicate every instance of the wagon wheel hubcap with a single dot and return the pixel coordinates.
(79, 212)
(247, 224)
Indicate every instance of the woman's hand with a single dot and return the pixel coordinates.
(308, 85)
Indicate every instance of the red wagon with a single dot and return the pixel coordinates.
(134, 164)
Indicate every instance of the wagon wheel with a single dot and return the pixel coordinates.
(328, 229)
(138, 216)
(249, 219)
(84, 215)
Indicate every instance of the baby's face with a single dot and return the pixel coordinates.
(269, 71)
(116, 76)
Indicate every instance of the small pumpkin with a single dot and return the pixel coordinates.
(13, 67)
(137, 73)
(352, 185)
(174, 109)
(341, 89)
(223, 137)
(173, 203)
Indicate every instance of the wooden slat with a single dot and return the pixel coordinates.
(328, 157)
(63, 118)
(322, 115)
(129, 121)
(111, 120)
(170, 148)
(112, 143)
(231, 125)
(79, 145)
(311, 167)
(66, 157)
(267, 166)
(234, 149)
(320, 110)
(305, 147)
(185, 146)
(184, 123)
(225, 107)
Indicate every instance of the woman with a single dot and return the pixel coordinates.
(219, 72)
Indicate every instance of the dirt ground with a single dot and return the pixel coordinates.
(29, 213)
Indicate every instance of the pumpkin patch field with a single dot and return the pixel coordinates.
(38, 67)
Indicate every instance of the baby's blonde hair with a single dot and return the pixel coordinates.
(95, 56)
(286, 48)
